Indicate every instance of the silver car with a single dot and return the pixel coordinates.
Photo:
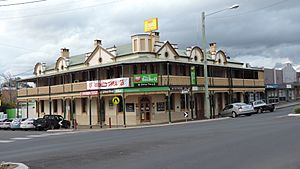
(235, 109)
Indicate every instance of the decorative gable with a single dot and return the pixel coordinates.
(167, 52)
(99, 56)
(196, 54)
(39, 69)
(220, 57)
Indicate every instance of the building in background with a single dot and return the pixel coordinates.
(144, 82)
(281, 84)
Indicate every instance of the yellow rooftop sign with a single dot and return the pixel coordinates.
(151, 25)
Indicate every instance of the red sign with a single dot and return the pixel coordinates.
(108, 84)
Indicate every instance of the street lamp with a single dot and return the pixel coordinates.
(206, 97)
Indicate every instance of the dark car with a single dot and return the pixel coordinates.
(51, 122)
(260, 106)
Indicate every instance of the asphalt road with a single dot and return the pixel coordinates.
(263, 141)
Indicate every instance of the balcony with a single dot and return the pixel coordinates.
(162, 81)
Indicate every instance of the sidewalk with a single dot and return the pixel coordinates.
(105, 127)
(287, 104)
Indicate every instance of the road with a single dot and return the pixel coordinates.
(262, 141)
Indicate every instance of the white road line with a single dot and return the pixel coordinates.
(21, 138)
(39, 135)
(6, 141)
(281, 116)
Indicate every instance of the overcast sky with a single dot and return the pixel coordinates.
(259, 32)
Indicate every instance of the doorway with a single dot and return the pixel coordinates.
(145, 109)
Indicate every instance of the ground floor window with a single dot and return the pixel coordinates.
(83, 105)
(42, 106)
(55, 106)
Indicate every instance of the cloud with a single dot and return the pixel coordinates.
(257, 32)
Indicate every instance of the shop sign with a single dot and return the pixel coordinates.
(146, 89)
(129, 107)
(179, 88)
(151, 25)
(193, 76)
(145, 79)
(108, 84)
(272, 86)
(288, 86)
(89, 93)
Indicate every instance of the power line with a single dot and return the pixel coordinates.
(253, 10)
(60, 12)
(23, 3)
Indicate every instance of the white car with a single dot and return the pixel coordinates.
(27, 124)
(5, 124)
(236, 109)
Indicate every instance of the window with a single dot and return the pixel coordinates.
(100, 60)
(144, 68)
(120, 105)
(55, 106)
(166, 54)
(134, 69)
(196, 58)
(135, 45)
(42, 106)
(83, 105)
(150, 45)
(172, 102)
(184, 102)
(142, 43)
(152, 68)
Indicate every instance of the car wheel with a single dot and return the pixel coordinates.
(272, 110)
(261, 110)
(233, 114)
(248, 114)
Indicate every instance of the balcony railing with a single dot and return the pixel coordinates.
(162, 81)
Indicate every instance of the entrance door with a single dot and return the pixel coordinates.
(145, 109)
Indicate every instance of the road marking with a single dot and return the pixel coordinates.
(40, 135)
(6, 141)
(21, 138)
(281, 116)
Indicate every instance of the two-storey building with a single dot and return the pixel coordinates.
(154, 82)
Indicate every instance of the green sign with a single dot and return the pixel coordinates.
(193, 76)
(145, 79)
(146, 89)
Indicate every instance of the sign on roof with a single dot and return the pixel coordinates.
(151, 25)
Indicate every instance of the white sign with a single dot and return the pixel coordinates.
(89, 93)
(289, 86)
(108, 84)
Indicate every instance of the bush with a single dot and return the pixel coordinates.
(297, 110)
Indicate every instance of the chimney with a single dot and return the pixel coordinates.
(188, 51)
(156, 36)
(213, 48)
(112, 50)
(64, 52)
(67, 62)
(97, 42)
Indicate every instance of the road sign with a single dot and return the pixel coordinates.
(186, 114)
(116, 100)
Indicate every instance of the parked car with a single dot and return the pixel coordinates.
(5, 124)
(260, 106)
(236, 109)
(51, 122)
(27, 124)
(15, 124)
